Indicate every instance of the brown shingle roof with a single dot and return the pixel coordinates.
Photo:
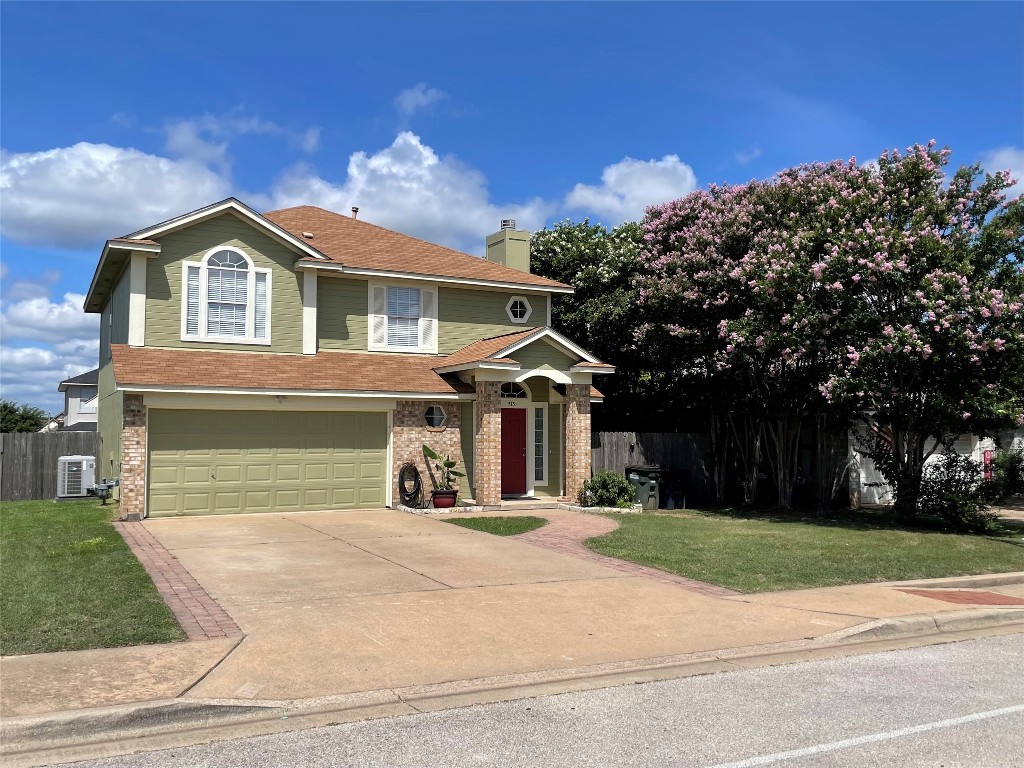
(484, 349)
(361, 245)
(341, 371)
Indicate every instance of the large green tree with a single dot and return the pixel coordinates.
(15, 417)
(602, 315)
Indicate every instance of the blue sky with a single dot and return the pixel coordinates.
(440, 119)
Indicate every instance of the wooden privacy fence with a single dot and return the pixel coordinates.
(682, 453)
(28, 461)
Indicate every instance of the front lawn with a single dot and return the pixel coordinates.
(68, 581)
(500, 526)
(752, 554)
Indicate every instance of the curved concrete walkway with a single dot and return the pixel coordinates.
(566, 531)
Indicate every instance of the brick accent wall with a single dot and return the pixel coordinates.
(487, 456)
(409, 433)
(577, 438)
(133, 459)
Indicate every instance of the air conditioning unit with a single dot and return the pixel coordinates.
(75, 475)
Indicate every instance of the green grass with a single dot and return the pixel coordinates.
(68, 582)
(758, 553)
(500, 526)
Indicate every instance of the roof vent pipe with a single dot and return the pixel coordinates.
(355, 212)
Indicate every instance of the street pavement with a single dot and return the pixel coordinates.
(954, 705)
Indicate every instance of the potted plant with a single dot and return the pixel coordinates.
(445, 492)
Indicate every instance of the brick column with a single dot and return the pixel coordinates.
(487, 457)
(133, 459)
(577, 438)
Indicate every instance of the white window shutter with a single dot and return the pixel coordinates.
(428, 320)
(191, 299)
(378, 325)
(260, 324)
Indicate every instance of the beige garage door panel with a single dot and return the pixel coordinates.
(222, 462)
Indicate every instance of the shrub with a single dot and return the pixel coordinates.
(606, 489)
(952, 490)
(1007, 476)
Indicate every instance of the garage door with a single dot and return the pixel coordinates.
(223, 462)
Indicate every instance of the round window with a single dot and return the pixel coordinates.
(435, 416)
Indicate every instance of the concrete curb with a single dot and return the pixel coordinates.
(962, 582)
(103, 732)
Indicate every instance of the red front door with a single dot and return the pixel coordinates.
(513, 451)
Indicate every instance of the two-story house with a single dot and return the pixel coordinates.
(297, 359)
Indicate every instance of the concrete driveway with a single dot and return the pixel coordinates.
(343, 602)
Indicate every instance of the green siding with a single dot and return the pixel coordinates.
(539, 354)
(119, 299)
(110, 404)
(224, 462)
(540, 388)
(466, 435)
(164, 284)
(465, 315)
(341, 311)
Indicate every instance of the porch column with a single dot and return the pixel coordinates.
(133, 459)
(487, 452)
(577, 438)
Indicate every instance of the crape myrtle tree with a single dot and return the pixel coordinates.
(731, 280)
(930, 271)
(602, 264)
(881, 295)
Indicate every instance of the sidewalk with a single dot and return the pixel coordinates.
(547, 616)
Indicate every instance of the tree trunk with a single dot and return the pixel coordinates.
(748, 438)
(832, 464)
(719, 456)
(784, 432)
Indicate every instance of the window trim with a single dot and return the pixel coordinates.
(427, 327)
(519, 320)
(250, 306)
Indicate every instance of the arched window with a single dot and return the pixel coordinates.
(512, 389)
(226, 299)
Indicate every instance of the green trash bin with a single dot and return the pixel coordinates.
(647, 483)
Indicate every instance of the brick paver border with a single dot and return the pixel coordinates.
(965, 596)
(566, 532)
(200, 615)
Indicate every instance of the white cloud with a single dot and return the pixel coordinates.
(205, 139)
(743, 157)
(419, 97)
(628, 187)
(409, 188)
(31, 374)
(77, 197)
(39, 319)
(45, 342)
(1007, 158)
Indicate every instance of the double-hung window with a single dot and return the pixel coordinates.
(225, 298)
(403, 318)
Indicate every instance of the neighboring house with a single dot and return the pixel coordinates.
(868, 486)
(80, 402)
(297, 359)
(53, 424)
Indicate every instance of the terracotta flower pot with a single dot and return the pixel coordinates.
(444, 499)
